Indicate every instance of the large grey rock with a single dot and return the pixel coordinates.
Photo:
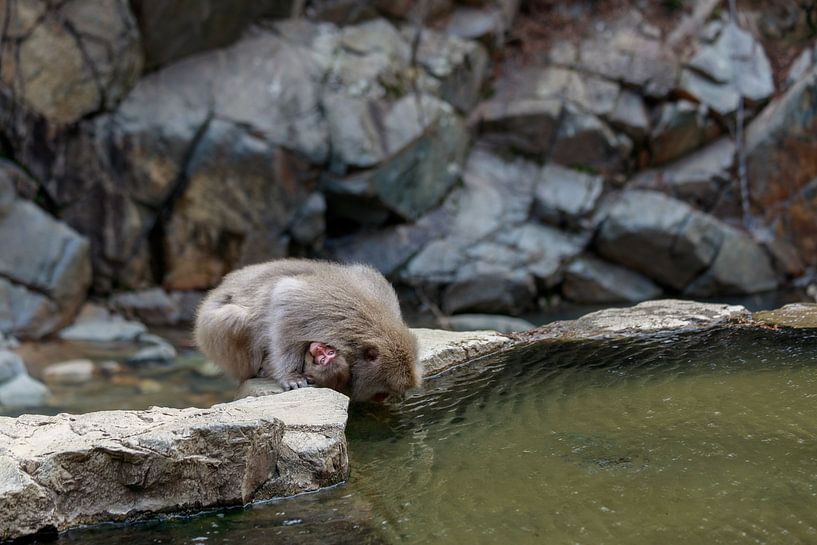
(659, 236)
(698, 178)
(247, 223)
(422, 150)
(781, 163)
(657, 316)
(680, 127)
(69, 372)
(19, 391)
(591, 280)
(526, 124)
(566, 197)
(152, 306)
(456, 67)
(735, 66)
(442, 350)
(493, 257)
(483, 322)
(68, 470)
(45, 270)
(71, 58)
(794, 315)
(103, 329)
(172, 30)
(742, 266)
(11, 365)
(585, 141)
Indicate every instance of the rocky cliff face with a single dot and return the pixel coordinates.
(486, 154)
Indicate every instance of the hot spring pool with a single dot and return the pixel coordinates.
(704, 438)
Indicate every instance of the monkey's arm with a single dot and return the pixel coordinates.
(286, 345)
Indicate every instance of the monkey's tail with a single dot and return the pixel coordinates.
(223, 334)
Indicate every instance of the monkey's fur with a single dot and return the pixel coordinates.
(260, 320)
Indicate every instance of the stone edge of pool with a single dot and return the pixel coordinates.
(69, 470)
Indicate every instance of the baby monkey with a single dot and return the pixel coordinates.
(324, 367)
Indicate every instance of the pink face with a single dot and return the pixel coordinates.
(322, 354)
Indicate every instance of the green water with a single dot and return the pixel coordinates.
(710, 438)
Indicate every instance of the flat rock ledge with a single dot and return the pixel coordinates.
(68, 470)
(648, 318)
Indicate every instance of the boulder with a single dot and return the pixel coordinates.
(172, 30)
(69, 470)
(566, 197)
(741, 266)
(630, 115)
(17, 389)
(423, 148)
(591, 280)
(794, 315)
(679, 128)
(69, 372)
(485, 322)
(97, 325)
(698, 179)
(441, 350)
(524, 125)
(45, 271)
(71, 58)
(781, 163)
(152, 306)
(658, 236)
(735, 66)
(585, 141)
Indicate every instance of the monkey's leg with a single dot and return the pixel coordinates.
(223, 334)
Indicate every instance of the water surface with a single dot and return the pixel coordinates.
(705, 438)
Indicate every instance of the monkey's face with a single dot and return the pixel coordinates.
(378, 375)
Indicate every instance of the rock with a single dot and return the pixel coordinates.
(389, 249)
(630, 115)
(45, 271)
(680, 127)
(258, 387)
(152, 306)
(781, 162)
(590, 280)
(206, 237)
(457, 67)
(622, 53)
(159, 350)
(566, 197)
(308, 225)
(172, 30)
(483, 322)
(114, 329)
(474, 24)
(425, 148)
(794, 315)
(524, 125)
(698, 178)
(741, 266)
(442, 350)
(69, 372)
(801, 65)
(129, 464)
(493, 257)
(22, 392)
(585, 141)
(661, 315)
(11, 365)
(188, 303)
(660, 237)
(72, 58)
(734, 66)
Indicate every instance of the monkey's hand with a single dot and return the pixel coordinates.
(293, 381)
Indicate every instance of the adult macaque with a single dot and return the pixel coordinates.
(266, 320)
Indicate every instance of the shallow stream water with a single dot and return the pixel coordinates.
(704, 438)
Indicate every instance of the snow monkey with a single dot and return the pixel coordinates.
(271, 319)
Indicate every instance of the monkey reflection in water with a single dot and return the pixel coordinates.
(300, 321)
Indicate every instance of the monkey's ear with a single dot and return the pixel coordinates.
(371, 353)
